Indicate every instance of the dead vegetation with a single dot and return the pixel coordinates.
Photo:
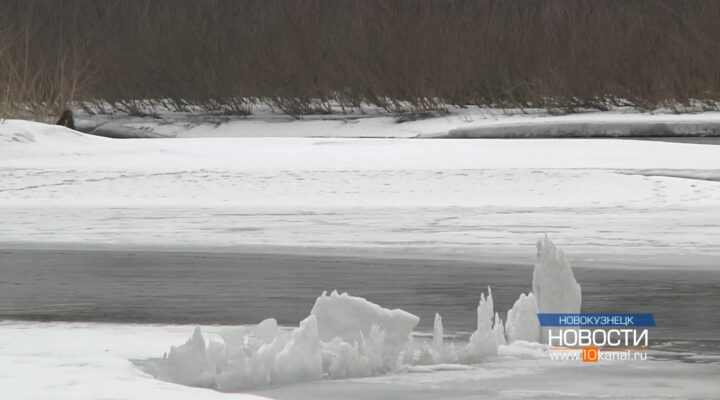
(411, 57)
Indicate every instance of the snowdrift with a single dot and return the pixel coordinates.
(346, 336)
(32, 141)
(19, 132)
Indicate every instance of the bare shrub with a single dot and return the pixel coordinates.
(317, 56)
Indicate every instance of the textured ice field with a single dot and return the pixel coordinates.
(96, 361)
(646, 202)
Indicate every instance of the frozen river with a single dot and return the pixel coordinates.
(113, 251)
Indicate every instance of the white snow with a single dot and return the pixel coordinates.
(459, 122)
(255, 361)
(554, 286)
(522, 322)
(189, 364)
(365, 357)
(631, 201)
(467, 197)
(90, 361)
(351, 318)
(349, 337)
(344, 337)
(28, 134)
(438, 334)
(483, 342)
(439, 351)
(300, 360)
(52, 146)
(86, 361)
(499, 331)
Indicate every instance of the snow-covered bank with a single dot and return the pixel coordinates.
(470, 122)
(466, 197)
(32, 145)
(599, 125)
(79, 361)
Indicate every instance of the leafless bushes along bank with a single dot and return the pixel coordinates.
(303, 56)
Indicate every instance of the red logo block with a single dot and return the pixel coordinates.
(590, 354)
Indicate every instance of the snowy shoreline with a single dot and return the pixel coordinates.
(641, 200)
(471, 122)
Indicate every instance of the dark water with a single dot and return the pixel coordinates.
(224, 288)
(682, 139)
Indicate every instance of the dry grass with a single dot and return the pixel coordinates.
(408, 56)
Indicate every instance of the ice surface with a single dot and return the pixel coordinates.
(357, 359)
(554, 286)
(438, 351)
(85, 189)
(300, 360)
(91, 361)
(262, 333)
(344, 337)
(240, 363)
(266, 330)
(35, 159)
(350, 318)
(189, 364)
(483, 342)
(427, 355)
(249, 358)
(438, 333)
(499, 331)
(522, 322)
(350, 337)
